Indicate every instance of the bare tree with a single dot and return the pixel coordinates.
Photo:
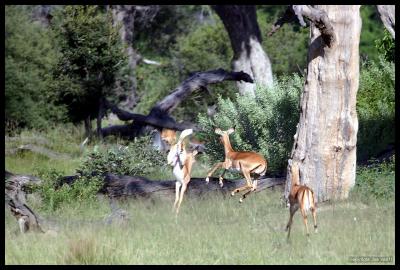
(326, 136)
(241, 24)
(387, 13)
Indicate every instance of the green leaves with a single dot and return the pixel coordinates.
(264, 124)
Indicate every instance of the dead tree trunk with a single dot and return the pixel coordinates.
(326, 136)
(241, 24)
(125, 16)
(159, 115)
(16, 200)
(387, 13)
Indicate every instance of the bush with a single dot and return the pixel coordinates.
(82, 190)
(376, 180)
(265, 124)
(375, 108)
(137, 158)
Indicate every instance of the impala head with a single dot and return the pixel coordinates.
(177, 151)
(168, 136)
(224, 133)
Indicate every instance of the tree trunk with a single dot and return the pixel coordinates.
(99, 117)
(326, 136)
(387, 13)
(125, 15)
(244, 33)
(88, 127)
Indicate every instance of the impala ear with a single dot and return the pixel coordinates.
(218, 131)
(195, 152)
(231, 130)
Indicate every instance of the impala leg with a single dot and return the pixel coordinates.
(177, 187)
(221, 177)
(183, 189)
(210, 172)
(246, 175)
(304, 214)
(314, 213)
(292, 210)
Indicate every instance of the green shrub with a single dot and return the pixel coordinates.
(376, 180)
(386, 46)
(136, 158)
(375, 108)
(265, 124)
(82, 190)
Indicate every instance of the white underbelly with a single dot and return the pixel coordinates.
(178, 173)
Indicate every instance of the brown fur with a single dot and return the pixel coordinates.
(246, 162)
(299, 197)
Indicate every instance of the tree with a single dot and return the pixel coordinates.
(245, 36)
(387, 13)
(92, 59)
(30, 56)
(326, 136)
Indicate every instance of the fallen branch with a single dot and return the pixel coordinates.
(159, 115)
(39, 150)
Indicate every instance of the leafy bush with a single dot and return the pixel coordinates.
(82, 190)
(386, 46)
(375, 108)
(376, 180)
(265, 124)
(137, 158)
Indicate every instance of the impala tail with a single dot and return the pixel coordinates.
(308, 200)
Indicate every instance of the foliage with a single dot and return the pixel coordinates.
(286, 48)
(371, 30)
(137, 158)
(265, 124)
(386, 46)
(375, 108)
(30, 56)
(82, 190)
(376, 180)
(92, 59)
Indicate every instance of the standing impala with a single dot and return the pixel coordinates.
(246, 162)
(302, 197)
(182, 162)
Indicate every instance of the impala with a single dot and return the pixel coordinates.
(182, 162)
(246, 162)
(302, 197)
(169, 137)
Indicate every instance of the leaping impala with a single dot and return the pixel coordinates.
(182, 162)
(302, 197)
(246, 162)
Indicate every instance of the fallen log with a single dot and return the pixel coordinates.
(140, 187)
(16, 199)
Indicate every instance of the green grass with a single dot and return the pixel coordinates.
(209, 230)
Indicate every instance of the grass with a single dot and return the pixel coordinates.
(209, 230)
(212, 230)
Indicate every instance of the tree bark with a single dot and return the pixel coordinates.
(16, 200)
(88, 127)
(241, 24)
(125, 15)
(387, 13)
(326, 136)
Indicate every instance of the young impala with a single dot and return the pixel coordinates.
(302, 197)
(182, 162)
(246, 162)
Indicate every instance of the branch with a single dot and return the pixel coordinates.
(159, 115)
(197, 81)
(318, 17)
